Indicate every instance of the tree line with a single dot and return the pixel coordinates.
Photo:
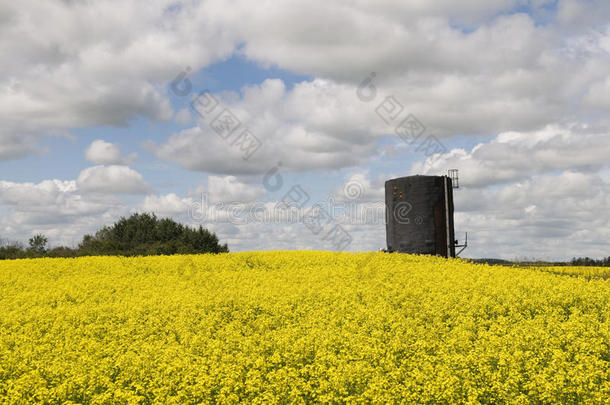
(576, 261)
(587, 261)
(140, 234)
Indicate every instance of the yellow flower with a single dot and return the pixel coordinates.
(301, 327)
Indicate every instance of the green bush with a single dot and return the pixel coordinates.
(140, 234)
(145, 234)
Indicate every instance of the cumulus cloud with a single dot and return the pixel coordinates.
(598, 96)
(360, 38)
(106, 153)
(112, 179)
(359, 187)
(16, 143)
(183, 117)
(490, 78)
(323, 124)
(547, 216)
(75, 64)
(56, 208)
(169, 205)
(540, 194)
(46, 193)
(513, 156)
(229, 189)
(316, 125)
(474, 67)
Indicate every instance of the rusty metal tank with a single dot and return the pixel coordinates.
(419, 215)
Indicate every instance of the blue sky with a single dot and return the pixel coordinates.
(63, 157)
(515, 91)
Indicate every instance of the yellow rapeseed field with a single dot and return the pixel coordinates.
(579, 271)
(299, 327)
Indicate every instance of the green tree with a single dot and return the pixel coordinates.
(38, 243)
(145, 234)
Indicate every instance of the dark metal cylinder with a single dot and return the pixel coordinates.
(419, 215)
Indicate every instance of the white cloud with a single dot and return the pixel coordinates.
(76, 64)
(183, 117)
(513, 156)
(473, 66)
(340, 40)
(56, 208)
(505, 73)
(550, 216)
(598, 95)
(555, 215)
(166, 205)
(359, 188)
(322, 124)
(46, 193)
(112, 179)
(230, 189)
(14, 143)
(539, 194)
(106, 153)
(317, 125)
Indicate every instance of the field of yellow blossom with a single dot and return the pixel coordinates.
(299, 327)
(587, 272)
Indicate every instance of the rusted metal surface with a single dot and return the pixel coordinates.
(419, 213)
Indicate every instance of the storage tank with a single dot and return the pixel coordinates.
(419, 215)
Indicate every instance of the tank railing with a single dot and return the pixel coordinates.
(463, 247)
(453, 175)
